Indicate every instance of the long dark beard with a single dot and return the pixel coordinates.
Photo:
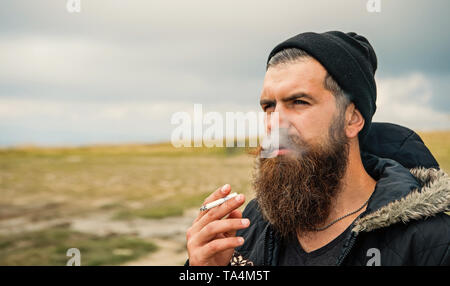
(297, 193)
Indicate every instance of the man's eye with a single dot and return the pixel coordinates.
(298, 101)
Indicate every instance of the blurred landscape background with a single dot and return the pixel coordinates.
(119, 204)
(86, 101)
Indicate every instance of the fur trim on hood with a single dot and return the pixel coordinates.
(431, 199)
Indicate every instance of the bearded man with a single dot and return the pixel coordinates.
(339, 190)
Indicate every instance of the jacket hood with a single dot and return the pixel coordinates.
(410, 185)
(401, 144)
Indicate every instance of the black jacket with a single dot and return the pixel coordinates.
(405, 222)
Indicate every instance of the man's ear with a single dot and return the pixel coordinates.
(354, 121)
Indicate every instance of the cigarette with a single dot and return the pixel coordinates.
(217, 202)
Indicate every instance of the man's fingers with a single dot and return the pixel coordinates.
(219, 245)
(236, 214)
(219, 212)
(233, 214)
(217, 194)
(211, 230)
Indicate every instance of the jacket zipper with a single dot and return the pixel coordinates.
(348, 249)
(266, 248)
(352, 240)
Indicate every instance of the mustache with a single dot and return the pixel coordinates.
(280, 139)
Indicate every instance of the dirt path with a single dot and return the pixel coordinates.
(171, 246)
(170, 252)
(167, 233)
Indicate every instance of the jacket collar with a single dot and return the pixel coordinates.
(401, 194)
(393, 180)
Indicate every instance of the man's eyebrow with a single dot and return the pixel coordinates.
(289, 98)
(266, 101)
(297, 96)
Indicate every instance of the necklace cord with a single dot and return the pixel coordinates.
(342, 217)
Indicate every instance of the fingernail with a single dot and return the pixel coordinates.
(245, 221)
(225, 188)
(240, 240)
(239, 198)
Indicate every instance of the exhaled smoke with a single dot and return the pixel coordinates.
(281, 139)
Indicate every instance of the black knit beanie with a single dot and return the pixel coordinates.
(349, 59)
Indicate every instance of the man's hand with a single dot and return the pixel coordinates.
(211, 240)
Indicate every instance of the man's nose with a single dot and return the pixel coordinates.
(278, 119)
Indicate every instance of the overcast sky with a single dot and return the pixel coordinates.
(118, 70)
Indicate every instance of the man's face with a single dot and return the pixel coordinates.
(296, 190)
(296, 91)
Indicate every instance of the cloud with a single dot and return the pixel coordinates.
(84, 68)
(407, 101)
(406, 34)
